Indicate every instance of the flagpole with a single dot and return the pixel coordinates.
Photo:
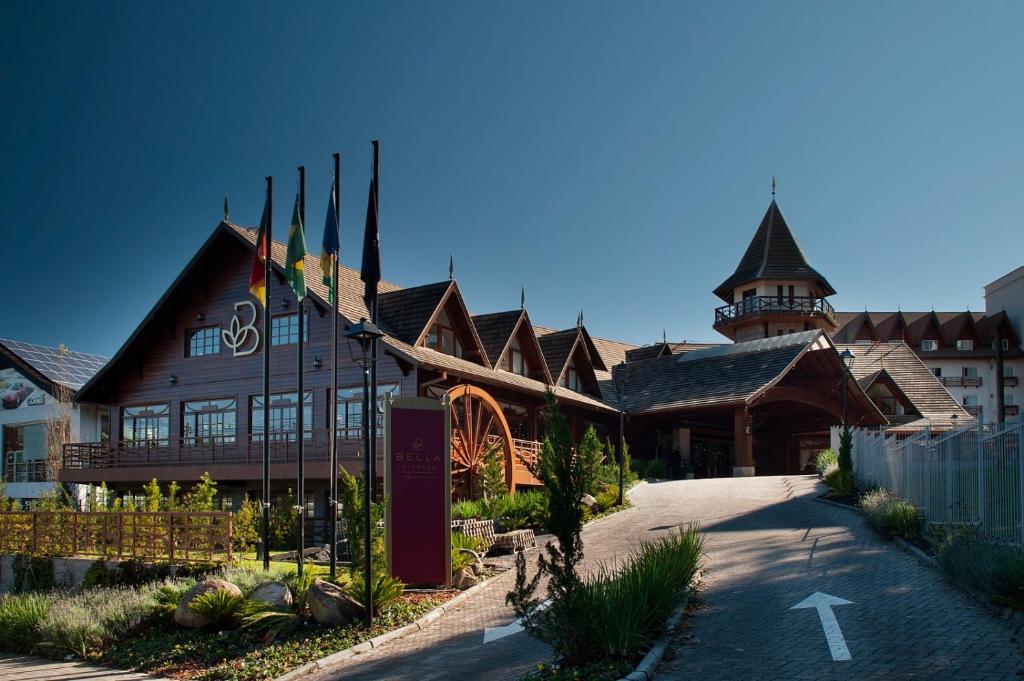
(301, 407)
(373, 346)
(266, 375)
(334, 377)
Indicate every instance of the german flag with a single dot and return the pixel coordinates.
(257, 276)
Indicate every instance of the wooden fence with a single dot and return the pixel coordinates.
(180, 537)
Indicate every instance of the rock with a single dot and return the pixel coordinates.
(185, 616)
(464, 579)
(313, 553)
(275, 594)
(330, 605)
(590, 502)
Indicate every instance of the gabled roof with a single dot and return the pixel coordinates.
(929, 397)
(883, 377)
(47, 366)
(496, 329)
(557, 348)
(724, 375)
(943, 327)
(773, 253)
(407, 311)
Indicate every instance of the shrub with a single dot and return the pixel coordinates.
(20, 615)
(840, 481)
(650, 468)
(845, 458)
(608, 498)
(467, 510)
(995, 571)
(246, 525)
(824, 460)
(518, 511)
(32, 573)
(492, 472)
(85, 622)
(590, 452)
(892, 515)
(284, 521)
(386, 589)
(461, 546)
(221, 607)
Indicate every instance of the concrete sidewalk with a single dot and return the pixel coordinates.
(25, 668)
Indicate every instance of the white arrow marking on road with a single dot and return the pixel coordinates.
(495, 633)
(833, 634)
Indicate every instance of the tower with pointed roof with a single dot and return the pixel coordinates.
(774, 290)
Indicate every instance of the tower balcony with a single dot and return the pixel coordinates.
(772, 308)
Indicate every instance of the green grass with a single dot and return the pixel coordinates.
(892, 515)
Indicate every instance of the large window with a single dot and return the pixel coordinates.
(571, 379)
(209, 421)
(284, 329)
(518, 418)
(514, 362)
(970, 372)
(350, 409)
(145, 425)
(24, 453)
(442, 338)
(205, 341)
(283, 416)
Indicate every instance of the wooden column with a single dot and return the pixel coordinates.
(744, 462)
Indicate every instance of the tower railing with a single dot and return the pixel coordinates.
(757, 305)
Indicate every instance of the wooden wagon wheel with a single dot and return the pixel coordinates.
(477, 424)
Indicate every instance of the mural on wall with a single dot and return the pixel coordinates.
(17, 391)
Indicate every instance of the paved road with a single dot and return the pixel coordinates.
(770, 545)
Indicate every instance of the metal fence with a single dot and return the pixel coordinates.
(968, 476)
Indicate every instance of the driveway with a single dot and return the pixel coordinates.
(770, 545)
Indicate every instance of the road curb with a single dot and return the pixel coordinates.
(645, 669)
(378, 641)
(822, 500)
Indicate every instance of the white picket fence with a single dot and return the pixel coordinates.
(972, 475)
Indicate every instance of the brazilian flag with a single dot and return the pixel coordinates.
(329, 250)
(294, 268)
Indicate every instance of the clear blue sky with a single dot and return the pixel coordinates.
(611, 156)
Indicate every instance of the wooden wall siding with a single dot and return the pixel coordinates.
(144, 374)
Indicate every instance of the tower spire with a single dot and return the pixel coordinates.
(225, 208)
(451, 266)
(773, 186)
(522, 297)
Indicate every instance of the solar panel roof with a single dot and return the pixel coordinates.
(66, 367)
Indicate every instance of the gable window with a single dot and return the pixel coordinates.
(350, 410)
(442, 337)
(146, 425)
(514, 362)
(283, 416)
(1005, 343)
(967, 344)
(571, 378)
(209, 421)
(928, 345)
(284, 329)
(25, 453)
(204, 341)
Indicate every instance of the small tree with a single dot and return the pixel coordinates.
(591, 455)
(202, 495)
(58, 423)
(171, 502)
(151, 491)
(246, 524)
(563, 476)
(846, 450)
(283, 521)
(492, 473)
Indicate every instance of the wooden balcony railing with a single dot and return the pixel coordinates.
(962, 381)
(197, 451)
(756, 305)
(1010, 381)
(974, 410)
(1011, 410)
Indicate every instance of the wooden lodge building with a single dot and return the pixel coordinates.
(185, 390)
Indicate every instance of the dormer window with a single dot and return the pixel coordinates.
(929, 345)
(571, 378)
(514, 362)
(967, 344)
(442, 336)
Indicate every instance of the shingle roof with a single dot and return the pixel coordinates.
(495, 330)
(557, 347)
(913, 327)
(405, 312)
(720, 375)
(66, 367)
(917, 382)
(773, 253)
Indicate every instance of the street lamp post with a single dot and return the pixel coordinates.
(847, 358)
(365, 333)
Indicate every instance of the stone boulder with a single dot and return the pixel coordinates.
(590, 502)
(185, 616)
(275, 594)
(331, 606)
(464, 579)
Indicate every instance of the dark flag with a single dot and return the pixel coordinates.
(370, 271)
(329, 251)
